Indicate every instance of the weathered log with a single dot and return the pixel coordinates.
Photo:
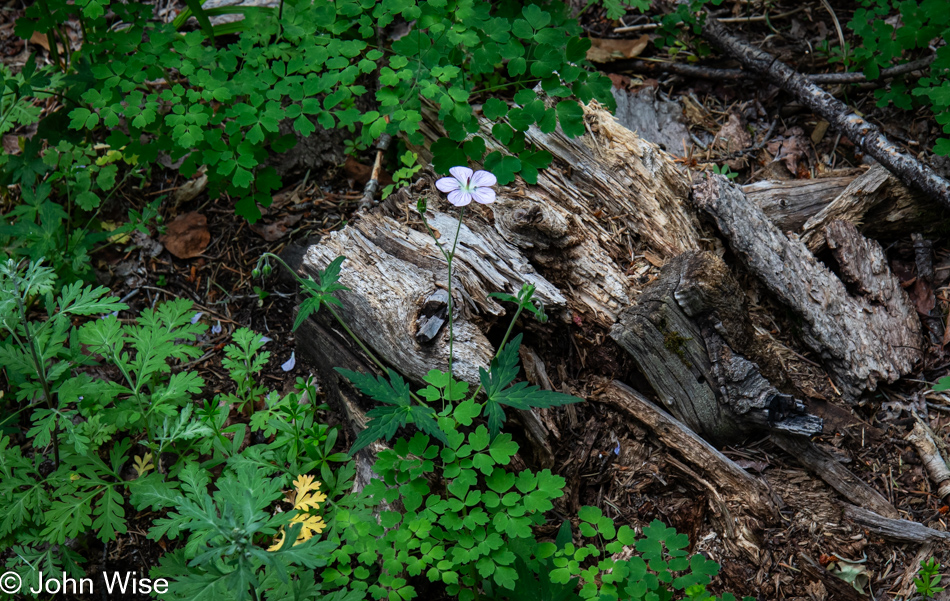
(605, 194)
(748, 502)
(686, 333)
(863, 339)
(879, 205)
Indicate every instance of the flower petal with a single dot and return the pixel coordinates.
(484, 178)
(459, 198)
(484, 195)
(290, 363)
(447, 184)
(462, 174)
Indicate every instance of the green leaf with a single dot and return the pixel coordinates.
(577, 49)
(495, 108)
(447, 154)
(571, 116)
(503, 167)
(537, 18)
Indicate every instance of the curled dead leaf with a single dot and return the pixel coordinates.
(604, 50)
(277, 229)
(187, 236)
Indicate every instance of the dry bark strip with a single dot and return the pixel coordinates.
(687, 334)
(866, 135)
(865, 339)
(878, 203)
(746, 502)
(923, 440)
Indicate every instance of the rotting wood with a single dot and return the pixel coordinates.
(789, 204)
(878, 204)
(835, 474)
(747, 500)
(864, 134)
(865, 339)
(904, 531)
(687, 334)
(923, 440)
(604, 182)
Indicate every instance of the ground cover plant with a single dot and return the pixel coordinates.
(154, 418)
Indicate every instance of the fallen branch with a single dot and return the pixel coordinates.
(867, 136)
(749, 19)
(835, 474)
(904, 531)
(923, 440)
(657, 67)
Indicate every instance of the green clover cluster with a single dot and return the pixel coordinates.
(220, 103)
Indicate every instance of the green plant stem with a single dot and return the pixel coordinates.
(39, 366)
(449, 258)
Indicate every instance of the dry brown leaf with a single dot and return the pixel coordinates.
(733, 136)
(791, 148)
(11, 144)
(41, 39)
(187, 236)
(604, 50)
(278, 229)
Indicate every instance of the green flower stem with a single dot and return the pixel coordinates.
(449, 258)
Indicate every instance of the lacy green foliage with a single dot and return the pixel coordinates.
(86, 427)
(244, 363)
(923, 24)
(928, 577)
(222, 105)
(223, 557)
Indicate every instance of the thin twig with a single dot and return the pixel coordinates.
(749, 19)
(655, 67)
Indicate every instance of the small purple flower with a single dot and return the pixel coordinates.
(197, 316)
(216, 329)
(265, 340)
(290, 363)
(617, 449)
(107, 315)
(466, 185)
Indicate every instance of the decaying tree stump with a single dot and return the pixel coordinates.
(589, 236)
